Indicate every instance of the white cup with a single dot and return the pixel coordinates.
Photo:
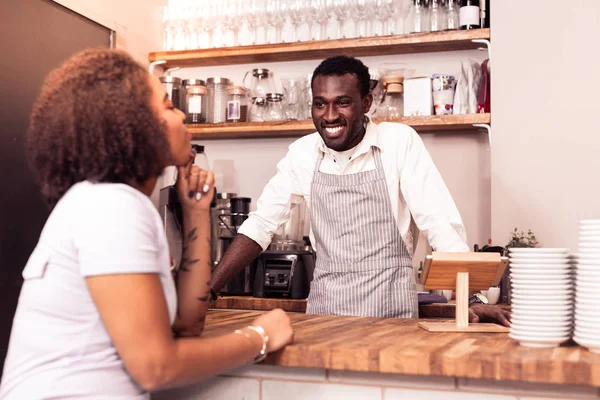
(493, 295)
(447, 294)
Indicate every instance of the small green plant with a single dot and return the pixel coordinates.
(522, 239)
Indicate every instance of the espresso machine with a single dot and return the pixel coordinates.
(286, 268)
(228, 214)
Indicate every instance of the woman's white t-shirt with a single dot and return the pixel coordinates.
(59, 347)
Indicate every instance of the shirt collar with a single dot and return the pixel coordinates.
(371, 139)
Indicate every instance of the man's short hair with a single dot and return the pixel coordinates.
(342, 65)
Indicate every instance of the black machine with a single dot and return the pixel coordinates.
(284, 273)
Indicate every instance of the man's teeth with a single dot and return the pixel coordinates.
(334, 129)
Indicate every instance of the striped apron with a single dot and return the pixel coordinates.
(363, 267)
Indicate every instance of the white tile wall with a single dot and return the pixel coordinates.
(528, 389)
(279, 373)
(278, 383)
(219, 388)
(394, 380)
(278, 390)
(548, 398)
(406, 394)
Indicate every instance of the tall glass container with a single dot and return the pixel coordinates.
(217, 99)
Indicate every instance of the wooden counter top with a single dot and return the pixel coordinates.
(437, 310)
(258, 304)
(400, 346)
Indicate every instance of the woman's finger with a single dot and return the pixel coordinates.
(201, 179)
(209, 183)
(194, 175)
(183, 172)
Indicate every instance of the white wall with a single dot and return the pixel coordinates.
(137, 22)
(546, 143)
(462, 158)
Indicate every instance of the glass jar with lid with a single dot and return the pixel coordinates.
(237, 104)
(174, 90)
(274, 110)
(195, 101)
(217, 99)
(392, 105)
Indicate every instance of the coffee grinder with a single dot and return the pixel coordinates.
(227, 216)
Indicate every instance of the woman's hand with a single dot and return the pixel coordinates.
(194, 186)
(278, 327)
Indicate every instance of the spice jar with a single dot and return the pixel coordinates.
(237, 104)
(195, 101)
(217, 99)
(274, 110)
(174, 90)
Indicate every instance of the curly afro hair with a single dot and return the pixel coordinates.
(93, 120)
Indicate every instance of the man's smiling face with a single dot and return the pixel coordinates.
(338, 110)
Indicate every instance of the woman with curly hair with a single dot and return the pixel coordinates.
(98, 315)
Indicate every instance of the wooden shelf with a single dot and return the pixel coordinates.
(283, 129)
(370, 46)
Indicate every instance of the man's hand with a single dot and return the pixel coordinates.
(487, 313)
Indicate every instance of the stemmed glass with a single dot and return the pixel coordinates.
(361, 9)
(168, 27)
(318, 12)
(297, 15)
(254, 10)
(180, 29)
(274, 18)
(341, 9)
(383, 12)
(232, 13)
(401, 7)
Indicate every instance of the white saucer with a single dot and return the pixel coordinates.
(564, 309)
(586, 332)
(592, 346)
(535, 261)
(547, 276)
(589, 245)
(541, 302)
(538, 250)
(553, 286)
(540, 343)
(586, 222)
(517, 297)
(525, 322)
(538, 256)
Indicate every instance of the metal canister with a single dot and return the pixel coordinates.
(196, 104)
(217, 99)
(174, 90)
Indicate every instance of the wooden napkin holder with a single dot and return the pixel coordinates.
(462, 272)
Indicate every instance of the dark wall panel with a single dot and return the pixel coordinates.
(35, 37)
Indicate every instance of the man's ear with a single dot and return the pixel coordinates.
(367, 102)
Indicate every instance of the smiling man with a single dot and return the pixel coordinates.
(370, 188)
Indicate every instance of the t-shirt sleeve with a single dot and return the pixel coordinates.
(116, 232)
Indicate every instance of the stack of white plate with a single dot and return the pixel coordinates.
(587, 282)
(542, 296)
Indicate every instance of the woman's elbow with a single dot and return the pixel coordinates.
(152, 372)
(189, 328)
